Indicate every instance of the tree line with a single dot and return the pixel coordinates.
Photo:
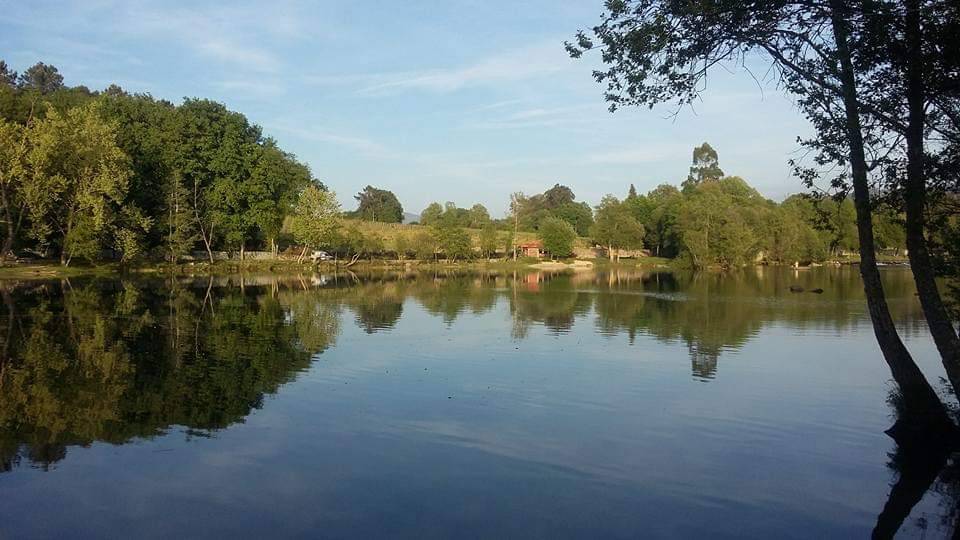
(109, 174)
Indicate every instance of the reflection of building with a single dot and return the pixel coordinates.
(531, 249)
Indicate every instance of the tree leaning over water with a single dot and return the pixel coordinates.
(661, 52)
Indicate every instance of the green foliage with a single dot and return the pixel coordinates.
(401, 246)
(424, 245)
(316, 217)
(431, 214)
(378, 205)
(557, 237)
(479, 217)
(559, 202)
(453, 241)
(705, 166)
(8, 77)
(615, 226)
(76, 182)
(41, 77)
(489, 241)
(450, 215)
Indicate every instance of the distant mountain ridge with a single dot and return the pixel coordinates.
(410, 218)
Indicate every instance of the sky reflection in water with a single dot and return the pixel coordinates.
(437, 405)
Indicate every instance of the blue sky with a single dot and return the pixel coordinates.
(465, 101)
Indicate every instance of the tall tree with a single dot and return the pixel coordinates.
(911, 47)
(659, 52)
(706, 166)
(13, 169)
(41, 77)
(217, 150)
(431, 214)
(557, 237)
(77, 180)
(479, 216)
(615, 227)
(375, 204)
(8, 77)
(316, 218)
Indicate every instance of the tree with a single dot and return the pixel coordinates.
(557, 237)
(705, 166)
(378, 205)
(479, 217)
(8, 77)
(179, 227)
(660, 225)
(453, 241)
(615, 227)
(431, 214)
(13, 169)
(489, 241)
(517, 203)
(275, 180)
(659, 52)
(216, 152)
(77, 180)
(558, 196)
(41, 77)
(424, 246)
(401, 246)
(905, 63)
(316, 217)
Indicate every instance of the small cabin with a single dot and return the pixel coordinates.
(531, 249)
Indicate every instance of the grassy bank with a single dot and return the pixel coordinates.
(52, 270)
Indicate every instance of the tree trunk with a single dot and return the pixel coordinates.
(196, 212)
(610, 252)
(242, 250)
(922, 406)
(914, 195)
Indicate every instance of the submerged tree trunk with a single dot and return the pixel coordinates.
(922, 406)
(941, 327)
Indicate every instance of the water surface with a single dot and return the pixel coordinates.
(619, 404)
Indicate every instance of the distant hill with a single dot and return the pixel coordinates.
(409, 218)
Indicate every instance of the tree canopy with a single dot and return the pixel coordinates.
(374, 204)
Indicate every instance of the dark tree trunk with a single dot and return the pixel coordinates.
(923, 408)
(941, 327)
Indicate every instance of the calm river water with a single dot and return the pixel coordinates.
(610, 405)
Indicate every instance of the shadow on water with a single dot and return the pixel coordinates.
(919, 469)
(113, 361)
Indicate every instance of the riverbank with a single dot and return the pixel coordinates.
(53, 270)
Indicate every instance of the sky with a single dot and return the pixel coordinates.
(463, 101)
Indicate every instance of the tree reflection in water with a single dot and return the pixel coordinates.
(112, 361)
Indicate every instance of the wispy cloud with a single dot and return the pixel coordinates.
(515, 65)
(539, 117)
(362, 145)
(257, 88)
